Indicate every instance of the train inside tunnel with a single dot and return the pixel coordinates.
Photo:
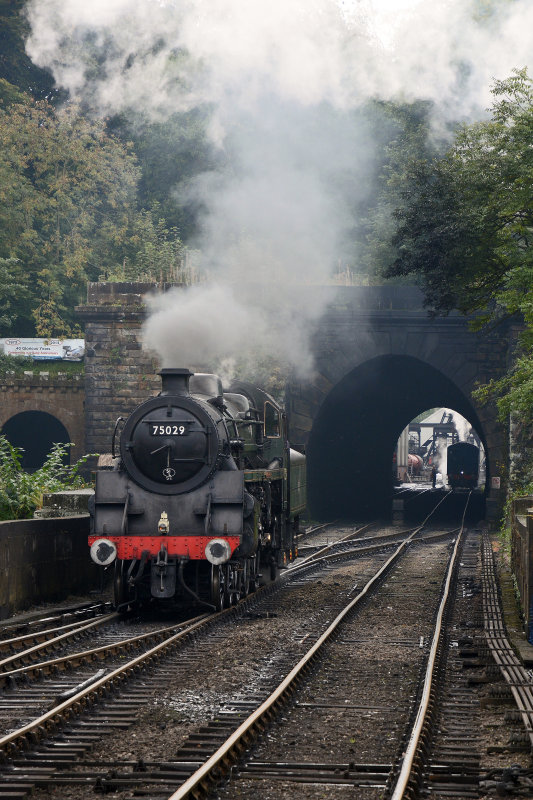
(355, 433)
(35, 432)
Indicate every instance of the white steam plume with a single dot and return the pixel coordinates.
(209, 323)
(281, 79)
(163, 55)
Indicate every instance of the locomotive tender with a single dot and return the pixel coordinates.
(463, 465)
(204, 496)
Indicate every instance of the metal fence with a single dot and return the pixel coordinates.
(522, 557)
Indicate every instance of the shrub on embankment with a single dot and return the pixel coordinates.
(21, 492)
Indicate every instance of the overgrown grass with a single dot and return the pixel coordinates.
(22, 492)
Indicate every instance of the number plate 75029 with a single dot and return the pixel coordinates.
(167, 430)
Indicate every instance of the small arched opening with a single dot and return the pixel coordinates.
(35, 432)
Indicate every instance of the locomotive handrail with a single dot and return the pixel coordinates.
(117, 423)
(124, 525)
(207, 523)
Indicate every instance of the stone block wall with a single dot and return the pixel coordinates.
(360, 324)
(119, 374)
(44, 560)
(62, 396)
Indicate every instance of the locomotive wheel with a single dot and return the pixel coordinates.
(255, 564)
(245, 577)
(218, 586)
(231, 594)
(121, 591)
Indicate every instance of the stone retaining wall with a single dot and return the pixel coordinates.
(44, 560)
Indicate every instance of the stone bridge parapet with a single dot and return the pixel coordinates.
(380, 360)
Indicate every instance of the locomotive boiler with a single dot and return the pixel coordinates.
(202, 495)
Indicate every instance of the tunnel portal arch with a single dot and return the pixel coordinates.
(35, 432)
(353, 436)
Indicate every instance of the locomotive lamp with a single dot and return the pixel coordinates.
(163, 526)
(218, 551)
(103, 552)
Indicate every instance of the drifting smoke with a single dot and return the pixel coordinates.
(229, 323)
(281, 80)
(167, 55)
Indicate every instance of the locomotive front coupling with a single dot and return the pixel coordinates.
(163, 575)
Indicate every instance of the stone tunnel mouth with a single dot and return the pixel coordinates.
(35, 432)
(355, 433)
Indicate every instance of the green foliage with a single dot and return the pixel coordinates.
(468, 222)
(21, 492)
(67, 198)
(14, 293)
(525, 490)
(68, 214)
(409, 157)
(513, 392)
(170, 154)
(14, 365)
(9, 93)
(18, 73)
(467, 230)
(155, 251)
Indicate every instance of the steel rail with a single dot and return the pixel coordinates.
(34, 620)
(198, 783)
(39, 637)
(40, 726)
(327, 547)
(412, 749)
(21, 654)
(314, 528)
(517, 677)
(413, 531)
(74, 659)
(47, 722)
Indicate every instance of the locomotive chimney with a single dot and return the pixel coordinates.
(175, 381)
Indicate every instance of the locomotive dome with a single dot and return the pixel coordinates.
(171, 443)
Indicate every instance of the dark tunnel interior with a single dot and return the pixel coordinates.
(354, 435)
(35, 432)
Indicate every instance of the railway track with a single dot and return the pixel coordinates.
(82, 735)
(60, 615)
(331, 649)
(34, 758)
(38, 624)
(26, 664)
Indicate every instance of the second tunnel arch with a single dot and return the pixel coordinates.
(356, 428)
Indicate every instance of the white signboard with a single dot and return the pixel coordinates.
(45, 349)
(495, 483)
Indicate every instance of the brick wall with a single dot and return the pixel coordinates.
(61, 396)
(119, 374)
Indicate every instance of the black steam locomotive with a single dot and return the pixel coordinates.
(463, 465)
(204, 496)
